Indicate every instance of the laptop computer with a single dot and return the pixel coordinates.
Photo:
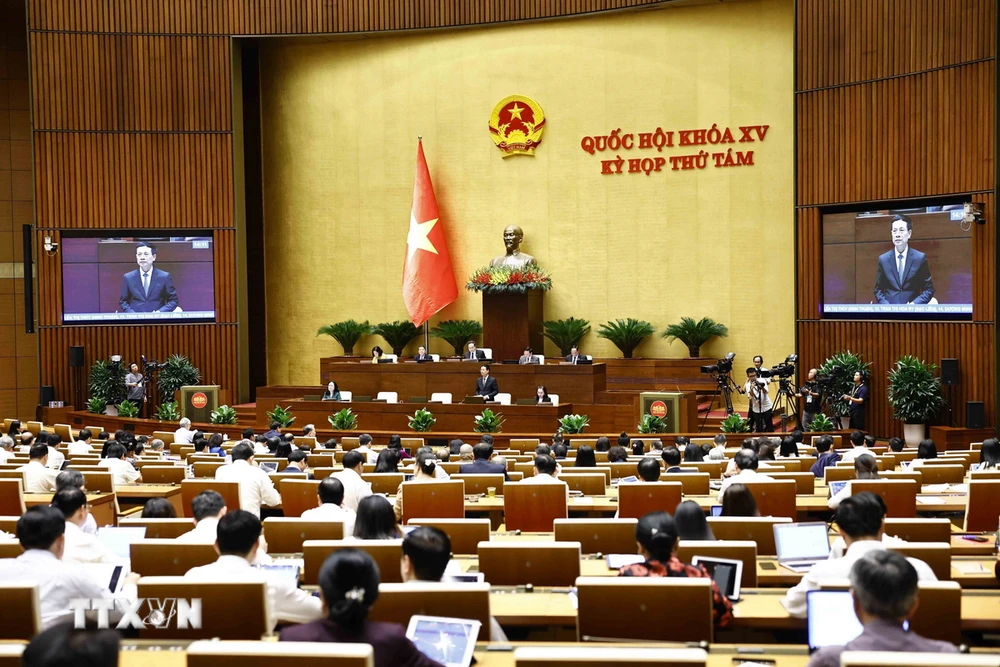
(119, 540)
(726, 573)
(837, 487)
(830, 618)
(801, 545)
(268, 466)
(716, 510)
(281, 573)
(450, 641)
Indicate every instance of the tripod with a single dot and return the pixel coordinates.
(724, 386)
(789, 406)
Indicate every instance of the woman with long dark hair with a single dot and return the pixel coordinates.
(376, 520)
(585, 457)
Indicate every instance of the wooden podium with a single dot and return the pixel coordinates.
(512, 322)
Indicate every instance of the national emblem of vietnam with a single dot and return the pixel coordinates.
(516, 125)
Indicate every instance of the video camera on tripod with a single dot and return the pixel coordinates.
(782, 371)
(151, 365)
(721, 367)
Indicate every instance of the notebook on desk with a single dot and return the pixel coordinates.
(801, 545)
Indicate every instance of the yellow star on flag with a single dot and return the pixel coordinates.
(417, 239)
(515, 112)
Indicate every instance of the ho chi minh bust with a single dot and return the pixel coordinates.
(514, 258)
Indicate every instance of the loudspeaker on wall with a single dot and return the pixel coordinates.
(975, 414)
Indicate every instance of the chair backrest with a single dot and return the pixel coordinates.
(775, 498)
(487, 352)
(780, 465)
(502, 398)
(384, 482)
(8, 524)
(935, 554)
(218, 602)
(398, 602)
(919, 530)
(639, 499)
(441, 397)
(10, 548)
(160, 474)
(692, 483)
(320, 460)
(385, 553)
(900, 495)
(230, 492)
(167, 558)
(554, 398)
(158, 529)
(480, 483)
(681, 606)
(207, 468)
(839, 473)
(531, 507)
(607, 536)
(588, 484)
(805, 482)
(269, 653)
(569, 469)
(298, 495)
(915, 475)
(465, 534)
(11, 497)
(940, 607)
(743, 550)
(757, 529)
(524, 444)
(535, 563)
(713, 468)
(837, 440)
(22, 611)
(942, 474)
(64, 431)
(982, 505)
(286, 534)
(433, 500)
(34, 427)
(388, 396)
(412, 444)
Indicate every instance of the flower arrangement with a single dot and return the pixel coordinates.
(507, 280)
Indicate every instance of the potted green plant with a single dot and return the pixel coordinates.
(914, 393)
(345, 420)
(223, 415)
(838, 371)
(281, 415)
(573, 423)
(168, 412)
(397, 334)
(566, 333)
(821, 423)
(107, 382)
(422, 420)
(488, 422)
(177, 371)
(695, 334)
(347, 333)
(457, 333)
(626, 334)
(652, 424)
(96, 405)
(128, 409)
(734, 423)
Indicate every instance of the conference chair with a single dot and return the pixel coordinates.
(524, 444)
(230, 492)
(158, 529)
(22, 611)
(465, 534)
(270, 653)
(805, 482)
(323, 472)
(383, 482)
(65, 432)
(502, 398)
(572, 656)
(983, 475)
(11, 497)
(774, 498)
(8, 524)
(713, 468)
(838, 473)
(756, 529)
(229, 610)
(167, 558)
(638, 499)
(308, 440)
(433, 500)
(204, 469)
(398, 602)
(298, 495)
(692, 483)
(532, 508)
(900, 495)
(10, 548)
(487, 353)
(349, 442)
(580, 442)
(346, 396)
(919, 530)
(622, 469)
(34, 427)
(779, 465)
(982, 505)
(569, 469)
(285, 535)
(942, 474)
(744, 550)
(319, 460)
(442, 397)
(480, 483)
(681, 607)
(11, 473)
(385, 553)
(412, 444)
(606, 536)
(535, 563)
(935, 554)
(166, 436)
(450, 467)
(587, 484)
(915, 475)
(7, 423)
(387, 396)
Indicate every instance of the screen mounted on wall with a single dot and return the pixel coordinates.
(912, 263)
(142, 278)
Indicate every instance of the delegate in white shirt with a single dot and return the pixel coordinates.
(331, 512)
(356, 489)
(56, 459)
(206, 532)
(184, 436)
(82, 547)
(850, 454)
(79, 447)
(38, 478)
(122, 472)
(256, 488)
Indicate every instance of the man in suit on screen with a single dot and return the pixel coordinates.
(147, 289)
(903, 273)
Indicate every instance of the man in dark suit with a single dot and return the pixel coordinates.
(672, 458)
(147, 289)
(574, 355)
(422, 354)
(903, 274)
(473, 353)
(481, 465)
(486, 385)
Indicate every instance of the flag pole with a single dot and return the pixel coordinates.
(427, 336)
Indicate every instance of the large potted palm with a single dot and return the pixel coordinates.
(838, 373)
(397, 334)
(457, 333)
(347, 333)
(566, 333)
(626, 334)
(694, 334)
(915, 396)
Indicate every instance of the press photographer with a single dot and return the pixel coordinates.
(756, 390)
(812, 396)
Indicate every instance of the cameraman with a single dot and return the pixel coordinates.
(135, 386)
(759, 414)
(810, 391)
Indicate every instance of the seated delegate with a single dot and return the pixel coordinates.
(332, 392)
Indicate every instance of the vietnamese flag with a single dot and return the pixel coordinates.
(428, 279)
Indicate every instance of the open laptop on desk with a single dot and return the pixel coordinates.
(831, 620)
(801, 545)
(837, 487)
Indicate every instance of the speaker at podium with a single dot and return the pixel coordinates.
(198, 401)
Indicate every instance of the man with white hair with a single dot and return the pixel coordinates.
(6, 448)
(184, 434)
(156, 446)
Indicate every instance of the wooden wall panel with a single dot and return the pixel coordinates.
(134, 82)
(845, 41)
(212, 348)
(912, 136)
(121, 181)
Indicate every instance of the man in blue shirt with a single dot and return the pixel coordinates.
(828, 455)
